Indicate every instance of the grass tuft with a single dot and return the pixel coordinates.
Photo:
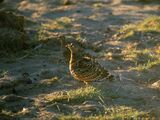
(73, 95)
(141, 43)
(115, 112)
(149, 24)
(60, 23)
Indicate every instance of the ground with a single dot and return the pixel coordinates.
(122, 35)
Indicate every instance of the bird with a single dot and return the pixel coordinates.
(84, 67)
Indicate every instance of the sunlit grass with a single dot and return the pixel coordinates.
(73, 95)
(122, 112)
(146, 66)
(143, 59)
(59, 23)
(48, 31)
(115, 112)
(149, 24)
(62, 23)
(138, 30)
(130, 53)
(142, 43)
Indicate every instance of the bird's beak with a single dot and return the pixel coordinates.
(69, 45)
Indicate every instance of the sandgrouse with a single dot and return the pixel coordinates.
(84, 68)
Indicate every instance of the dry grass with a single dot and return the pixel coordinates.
(73, 95)
(142, 43)
(115, 112)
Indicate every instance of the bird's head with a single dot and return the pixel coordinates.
(72, 47)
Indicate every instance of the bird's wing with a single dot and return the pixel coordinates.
(86, 68)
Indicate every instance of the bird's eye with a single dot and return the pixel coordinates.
(71, 44)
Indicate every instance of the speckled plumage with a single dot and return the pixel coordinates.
(84, 68)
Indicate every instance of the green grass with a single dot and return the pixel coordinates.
(78, 95)
(141, 43)
(144, 59)
(115, 112)
(146, 66)
(151, 24)
(62, 23)
(59, 23)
